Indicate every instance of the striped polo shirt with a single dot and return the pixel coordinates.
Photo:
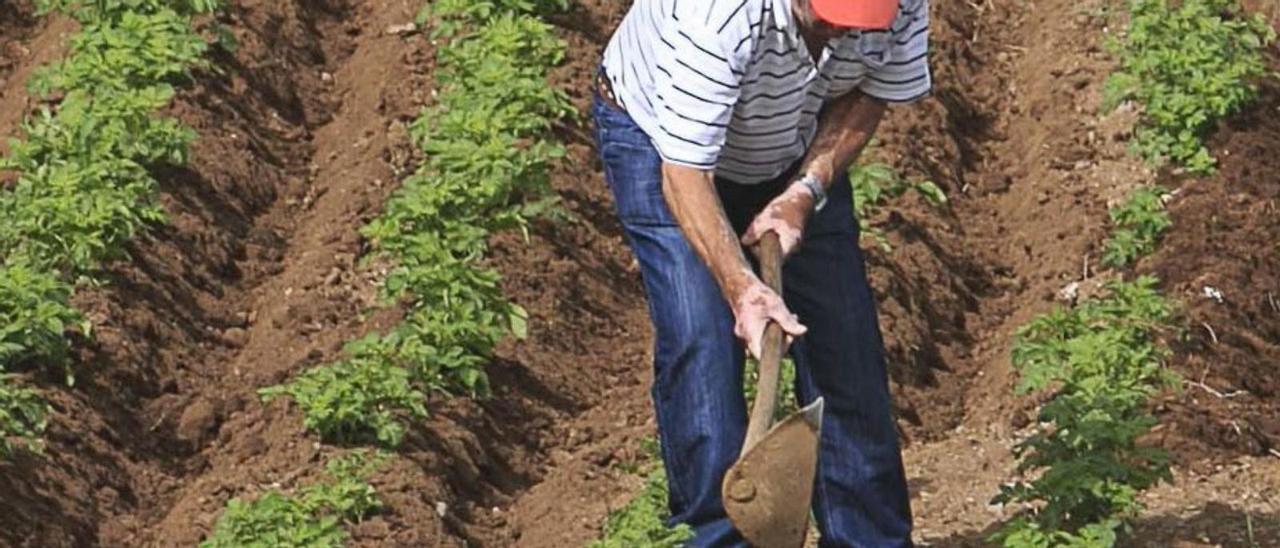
(729, 85)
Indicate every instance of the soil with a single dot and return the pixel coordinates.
(302, 139)
(1223, 265)
(17, 24)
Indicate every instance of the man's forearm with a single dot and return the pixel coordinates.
(845, 127)
(691, 195)
(843, 130)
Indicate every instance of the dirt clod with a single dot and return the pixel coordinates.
(236, 337)
(197, 421)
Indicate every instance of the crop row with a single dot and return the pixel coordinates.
(310, 517)
(1188, 64)
(486, 169)
(84, 186)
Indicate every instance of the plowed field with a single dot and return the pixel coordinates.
(303, 135)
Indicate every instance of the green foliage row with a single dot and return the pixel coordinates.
(84, 188)
(643, 521)
(1138, 225)
(311, 518)
(34, 315)
(133, 52)
(361, 399)
(1189, 63)
(874, 183)
(486, 170)
(1101, 362)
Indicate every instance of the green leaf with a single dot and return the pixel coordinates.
(23, 417)
(932, 192)
(873, 184)
(519, 322)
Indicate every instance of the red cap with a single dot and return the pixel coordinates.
(859, 14)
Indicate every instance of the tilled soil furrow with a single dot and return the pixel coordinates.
(302, 296)
(167, 366)
(297, 294)
(1031, 202)
(237, 214)
(1038, 197)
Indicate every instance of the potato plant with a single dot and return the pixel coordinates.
(643, 521)
(34, 316)
(84, 189)
(874, 183)
(1100, 363)
(23, 417)
(452, 16)
(361, 399)
(144, 50)
(95, 10)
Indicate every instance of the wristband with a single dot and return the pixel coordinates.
(815, 187)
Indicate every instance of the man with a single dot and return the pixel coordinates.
(718, 121)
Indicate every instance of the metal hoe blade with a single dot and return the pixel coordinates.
(767, 492)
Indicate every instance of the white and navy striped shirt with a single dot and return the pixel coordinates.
(729, 85)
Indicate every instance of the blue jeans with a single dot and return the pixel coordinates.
(860, 498)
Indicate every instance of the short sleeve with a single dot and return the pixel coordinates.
(904, 76)
(699, 69)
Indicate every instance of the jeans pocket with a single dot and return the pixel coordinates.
(634, 174)
(632, 168)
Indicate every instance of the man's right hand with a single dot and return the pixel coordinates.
(754, 306)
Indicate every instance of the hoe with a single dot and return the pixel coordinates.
(768, 491)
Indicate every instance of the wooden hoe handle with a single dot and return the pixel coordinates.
(767, 387)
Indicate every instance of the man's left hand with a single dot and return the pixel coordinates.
(786, 216)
